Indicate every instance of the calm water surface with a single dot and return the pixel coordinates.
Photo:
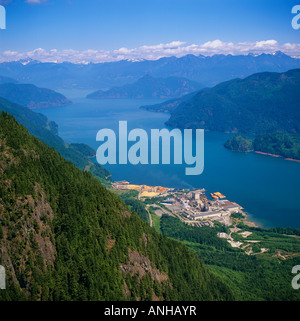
(267, 187)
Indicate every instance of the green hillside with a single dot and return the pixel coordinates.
(239, 143)
(264, 102)
(283, 144)
(254, 276)
(286, 145)
(63, 236)
(39, 126)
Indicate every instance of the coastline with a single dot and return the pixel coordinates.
(275, 155)
(144, 189)
(268, 154)
(249, 222)
(293, 160)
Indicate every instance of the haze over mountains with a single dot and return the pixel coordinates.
(149, 87)
(5, 80)
(208, 71)
(32, 96)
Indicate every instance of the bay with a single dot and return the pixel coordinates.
(267, 187)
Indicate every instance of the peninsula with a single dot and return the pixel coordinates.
(271, 144)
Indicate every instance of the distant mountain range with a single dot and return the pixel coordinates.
(150, 87)
(263, 102)
(208, 71)
(32, 96)
(5, 80)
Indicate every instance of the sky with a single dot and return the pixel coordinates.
(109, 30)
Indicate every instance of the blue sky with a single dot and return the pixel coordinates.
(107, 25)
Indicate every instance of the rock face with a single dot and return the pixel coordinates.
(140, 265)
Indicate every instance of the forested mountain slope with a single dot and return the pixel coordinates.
(47, 131)
(63, 236)
(263, 102)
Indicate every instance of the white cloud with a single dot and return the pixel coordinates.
(153, 52)
(266, 44)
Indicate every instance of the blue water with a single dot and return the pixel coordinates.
(267, 187)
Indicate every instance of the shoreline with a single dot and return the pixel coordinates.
(293, 160)
(246, 220)
(275, 155)
(250, 223)
(268, 154)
